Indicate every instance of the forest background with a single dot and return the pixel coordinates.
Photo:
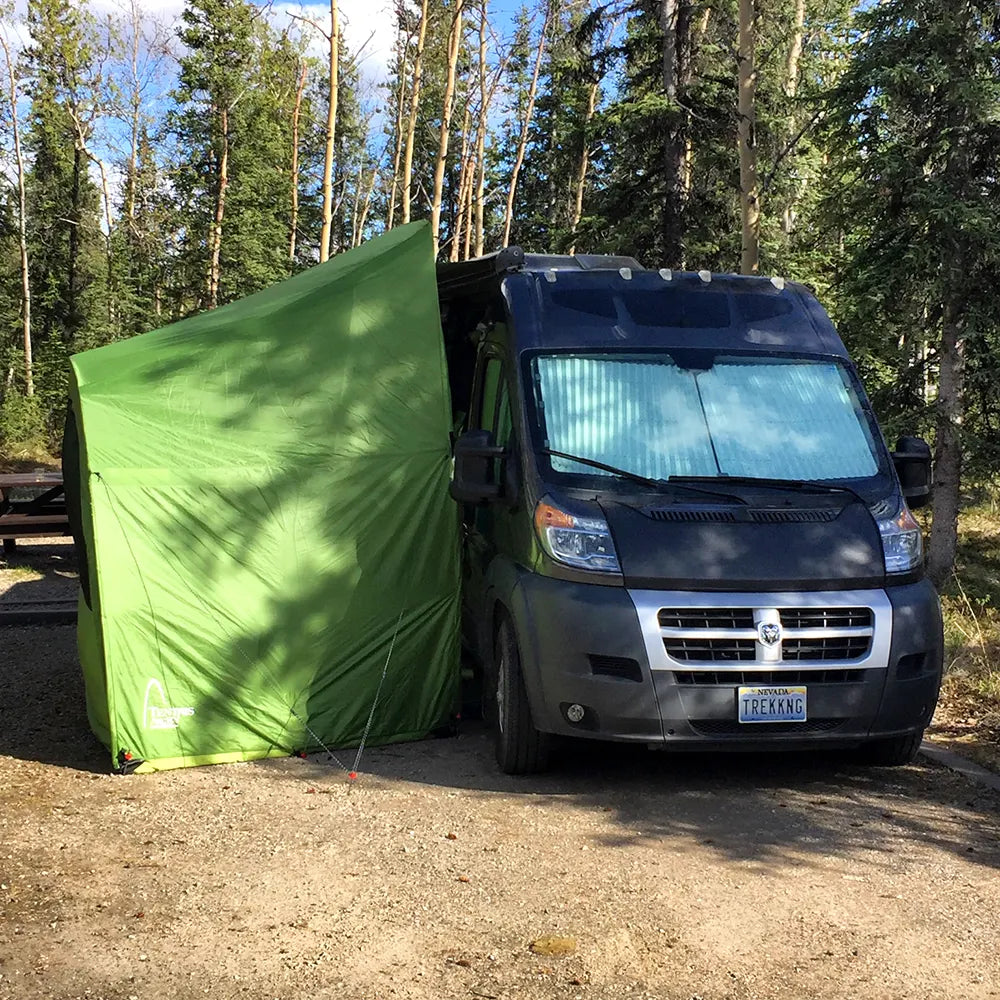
(155, 166)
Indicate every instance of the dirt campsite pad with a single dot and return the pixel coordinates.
(434, 876)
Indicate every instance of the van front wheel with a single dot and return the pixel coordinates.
(893, 751)
(520, 747)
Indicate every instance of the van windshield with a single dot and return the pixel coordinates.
(761, 416)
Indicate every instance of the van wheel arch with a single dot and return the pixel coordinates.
(520, 747)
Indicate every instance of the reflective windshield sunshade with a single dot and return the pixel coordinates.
(638, 415)
(781, 418)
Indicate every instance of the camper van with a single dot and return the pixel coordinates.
(682, 525)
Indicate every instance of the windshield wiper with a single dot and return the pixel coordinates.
(655, 484)
(796, 485)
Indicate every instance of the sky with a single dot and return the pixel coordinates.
(367, 24)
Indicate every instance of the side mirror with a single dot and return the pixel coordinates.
(475, 454)
(912, 459)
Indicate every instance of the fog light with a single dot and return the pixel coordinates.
(575, 713)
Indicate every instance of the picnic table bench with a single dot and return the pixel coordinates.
(38, 515)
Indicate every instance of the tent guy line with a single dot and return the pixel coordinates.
(378, 692)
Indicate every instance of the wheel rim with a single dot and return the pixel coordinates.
(502, 692)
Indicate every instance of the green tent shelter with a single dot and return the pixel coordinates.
(269, 553)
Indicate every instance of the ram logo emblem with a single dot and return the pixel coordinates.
(769, 633)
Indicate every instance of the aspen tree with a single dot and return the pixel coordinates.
(293, 227)
(464, 180)
(749, 189)
(454, 45)
(22, 234)
(411, 125)
(484, 108)
(522, 142)
(331, 130)
(791, 86)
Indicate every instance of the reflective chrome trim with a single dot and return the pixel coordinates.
(766, 608)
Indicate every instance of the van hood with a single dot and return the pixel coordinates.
(675, 547)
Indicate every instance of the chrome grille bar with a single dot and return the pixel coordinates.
(806, 631)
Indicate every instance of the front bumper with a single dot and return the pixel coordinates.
(602, 648)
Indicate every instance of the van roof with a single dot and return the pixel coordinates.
(595, 301)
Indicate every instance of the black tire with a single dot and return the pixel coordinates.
(892, 752)
(520, 747)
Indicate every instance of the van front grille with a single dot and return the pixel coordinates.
(731, 678)
(730, 727)
(710, 650)
(839, 648)
(706, 618)
(798, 634)
(825, 617)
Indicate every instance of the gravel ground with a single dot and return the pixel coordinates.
(674, 876)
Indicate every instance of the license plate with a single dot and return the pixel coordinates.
(772, 704)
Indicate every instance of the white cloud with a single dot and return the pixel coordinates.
(162, 10)
(370, 23)
(367, 26)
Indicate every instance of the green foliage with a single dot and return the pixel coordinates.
(915, 122)
(235, 83)
(63, 210)
(22, 425)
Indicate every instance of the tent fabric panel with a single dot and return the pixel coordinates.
(266, 500)
(94, 678)
(381, 262)
(275, 638)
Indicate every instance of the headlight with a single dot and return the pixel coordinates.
(901, 541)
(583, 542)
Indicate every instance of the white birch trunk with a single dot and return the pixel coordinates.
(522, 143)
(454, 44)
(411, 125)
(331, 133)
(749, 189)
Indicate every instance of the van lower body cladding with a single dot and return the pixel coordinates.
(666, 667)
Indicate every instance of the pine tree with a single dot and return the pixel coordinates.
(232, 126)
(63, 205)
(917, 124)
(64, 236)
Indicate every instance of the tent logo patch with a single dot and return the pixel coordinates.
(156, 713)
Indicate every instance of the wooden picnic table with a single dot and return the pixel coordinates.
(43, 477)
(36, 516)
